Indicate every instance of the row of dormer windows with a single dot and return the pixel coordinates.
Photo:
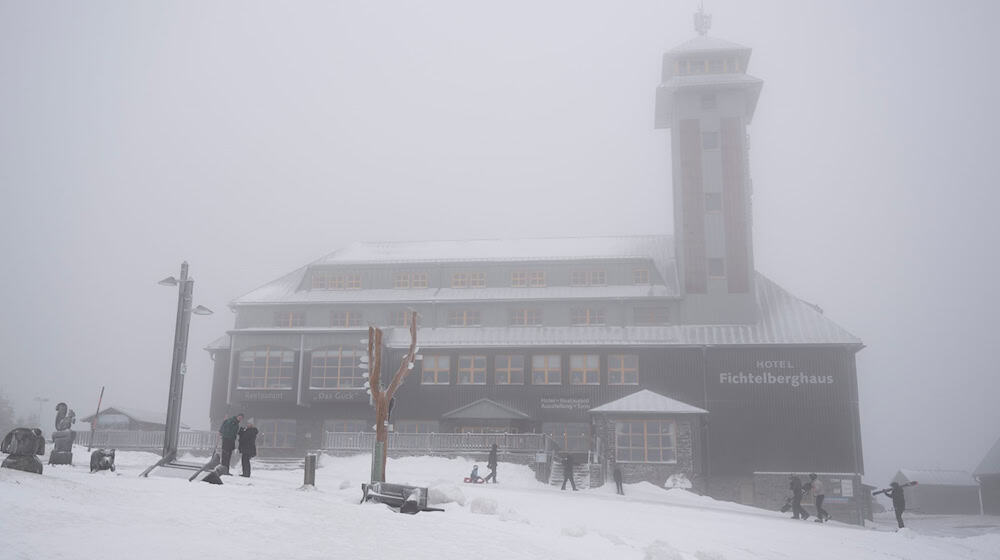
(352, 280)
(473, 317)
(689, 66)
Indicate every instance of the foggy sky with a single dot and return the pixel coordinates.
(251, 138)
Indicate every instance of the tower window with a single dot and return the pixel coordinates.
(640, 276)
(715, 66)
(707, 101)
(710, 140)
(716, 267)
(713, 202)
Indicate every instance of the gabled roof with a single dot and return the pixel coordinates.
(146, 416)
(486, 409)
(991, 462)
(648, 402)
(934, 477)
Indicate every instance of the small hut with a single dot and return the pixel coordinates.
(120, 418)
(940, 491)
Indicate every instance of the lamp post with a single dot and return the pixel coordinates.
(178, 366)
(40, 401)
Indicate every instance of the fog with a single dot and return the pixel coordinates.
(251, 138)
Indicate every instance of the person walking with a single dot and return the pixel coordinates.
(617, 473)
(816, 487)
(798, 512)
(895, 492)
(248, 446)
(568, 471)
(491, 464)
(229, 430)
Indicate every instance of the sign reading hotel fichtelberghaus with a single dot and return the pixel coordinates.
(774, 372)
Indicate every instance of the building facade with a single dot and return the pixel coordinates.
(670, 355)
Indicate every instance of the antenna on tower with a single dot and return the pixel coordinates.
(702, 21)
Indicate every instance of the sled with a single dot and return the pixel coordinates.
(468, 480)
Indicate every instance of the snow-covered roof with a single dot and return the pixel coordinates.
(147, 416)
(655, 248)
(704, 43)
(648, 402)
(499, 250)
(784, 319)
(991, 462)
(936, 477)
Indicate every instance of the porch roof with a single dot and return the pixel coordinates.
(648, 402)
(486, 409)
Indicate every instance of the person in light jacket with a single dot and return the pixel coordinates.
(819, 494)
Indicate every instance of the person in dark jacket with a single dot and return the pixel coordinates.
(248, 446)
(568, 471)
(491, 464)
(229, 430)
(895, 492)
(617, 471)
(798, 512)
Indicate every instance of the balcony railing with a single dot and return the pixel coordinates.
(446, 443)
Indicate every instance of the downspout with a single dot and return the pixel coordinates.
(706, 453)
(302, 359)
(229, 379)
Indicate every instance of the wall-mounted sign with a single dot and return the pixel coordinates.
(264, 396)
(338, 396)
(565, 403)
(774, 372)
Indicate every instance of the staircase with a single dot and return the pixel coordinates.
(581, 475)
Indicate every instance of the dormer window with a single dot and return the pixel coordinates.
(468, 280)
(330, 280)
(640, 276)
(587, 278)
(405, 280)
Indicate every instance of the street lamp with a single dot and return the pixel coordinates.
(40, 401)
(178, 366)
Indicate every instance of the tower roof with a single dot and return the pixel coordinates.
(706, 44)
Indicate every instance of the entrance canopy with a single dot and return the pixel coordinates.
(647, 402)
(485, 409)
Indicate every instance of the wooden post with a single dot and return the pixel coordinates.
(310, 470)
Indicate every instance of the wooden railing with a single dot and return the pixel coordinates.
(510, 443)
(136, 439)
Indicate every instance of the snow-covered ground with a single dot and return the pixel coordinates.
(69, 513)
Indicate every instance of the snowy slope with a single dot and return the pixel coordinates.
(69, 513)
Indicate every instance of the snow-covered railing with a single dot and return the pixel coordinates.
(138, 439)
(509, 443)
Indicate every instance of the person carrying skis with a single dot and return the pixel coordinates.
(248, 446)
(895, 492)
(491, 464)
(229, 429)
(568, 471)
(798, 512)
(816, 488)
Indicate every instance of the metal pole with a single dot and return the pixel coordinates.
(178, 366)
(93, 425)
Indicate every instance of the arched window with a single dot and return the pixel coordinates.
(266, 368)
(336, 368)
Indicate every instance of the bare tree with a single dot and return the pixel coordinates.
(381, 398)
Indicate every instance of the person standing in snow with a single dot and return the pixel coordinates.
(491, 464)
(229, 429)
(617, 472)
(568, 471)
(248, 446)
(895, 492)
(798, 512)
(816, 487)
